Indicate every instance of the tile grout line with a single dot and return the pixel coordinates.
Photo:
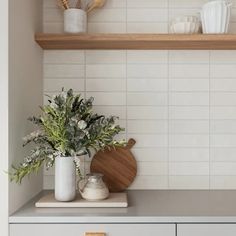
(168, 89)
(209, 120)
(85, 89)
(126, 74)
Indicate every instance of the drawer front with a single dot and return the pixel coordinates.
(91, 229)
(206, 230)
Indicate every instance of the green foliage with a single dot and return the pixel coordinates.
(67, 127)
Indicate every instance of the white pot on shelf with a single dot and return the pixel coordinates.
(65, 179)
(75, 21)
(215, 17)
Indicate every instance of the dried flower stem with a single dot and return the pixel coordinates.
(78, 4)
(65, 4)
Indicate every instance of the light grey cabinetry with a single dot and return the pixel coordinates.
(206, 230)
(82, 229)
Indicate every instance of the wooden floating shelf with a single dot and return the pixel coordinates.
(137, 41)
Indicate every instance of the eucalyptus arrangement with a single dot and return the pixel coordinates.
(67, 128)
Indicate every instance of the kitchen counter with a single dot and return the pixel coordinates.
(145, 206)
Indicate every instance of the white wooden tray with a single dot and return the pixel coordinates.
(114, 200)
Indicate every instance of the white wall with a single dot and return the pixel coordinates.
(178, 105)
(4, 118)
(25, 89)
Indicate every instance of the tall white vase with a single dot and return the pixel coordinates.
(65, 179)
(75, 21)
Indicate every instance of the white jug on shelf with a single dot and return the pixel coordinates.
(215, 16)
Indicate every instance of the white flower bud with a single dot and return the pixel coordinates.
(82, 124)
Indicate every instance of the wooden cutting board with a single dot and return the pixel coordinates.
(118, 166)
(114, 200)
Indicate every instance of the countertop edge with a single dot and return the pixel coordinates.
(121, 220)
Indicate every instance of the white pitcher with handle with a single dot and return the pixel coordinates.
(92, 187)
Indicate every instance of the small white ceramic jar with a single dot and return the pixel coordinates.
(75, 21)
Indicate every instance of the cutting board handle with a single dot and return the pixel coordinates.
(130, 143)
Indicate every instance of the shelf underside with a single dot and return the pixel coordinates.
(137, 41)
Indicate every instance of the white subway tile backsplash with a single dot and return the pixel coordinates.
(147, 70)
(101, 85)
(147, 99)
(186, 3)
(108, 15)
(223, 112)
(147, 112)
(189, 85)
(188, 56)
(147, 15)
(109, 27)
(189, 182)
(223, 99)
(223, 127)
(160, 28)
(48, 4)
(189, 126)
(53, 27)
(223, 182)
(119, 111)
(147, 126)
(64, 57)
(189, 140)
(223, 85)
(223, 154)
(223, 57)
(64, 71)
(147, 85)
(189, 71)
(152, 168)
(105, 57)
(53, 15)
(223, 71)
(108, 98)
(189, 154)
(189, 168)
(150, 140)
(147, 4)
(223, 140)
(189, 112)
(223, 168)
(105, 71)
(232, 28)
(150, 182)
(55, 85)
(179, 106)
(115, 4)
(189, 99)
(147, 57)
(150, 154)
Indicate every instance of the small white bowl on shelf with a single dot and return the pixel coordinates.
(185, 19)
(185, 25)
(185, 28)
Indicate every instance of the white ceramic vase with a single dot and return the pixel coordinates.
(65, 179)
(75, 21)
(215, 17)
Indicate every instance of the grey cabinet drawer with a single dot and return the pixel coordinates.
(82, 229)
(206, 230)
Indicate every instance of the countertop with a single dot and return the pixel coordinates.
(145, 206)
